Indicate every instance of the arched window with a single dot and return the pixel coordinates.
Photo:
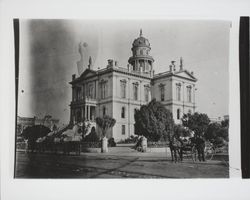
(178, 113)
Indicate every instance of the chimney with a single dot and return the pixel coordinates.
(110, 63)
(116, 63)
(170, 68)
(90, 63)
(128, 66)
(173, 65)
(73, 77)
(181, 64)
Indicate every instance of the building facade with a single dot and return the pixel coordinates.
(117, 91)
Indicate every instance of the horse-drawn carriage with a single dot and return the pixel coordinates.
(195, 148)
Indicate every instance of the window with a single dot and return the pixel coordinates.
(78, 93)
(135, 91)
(123, 129)
(90, 91)
(146, 92)
(178, 92)
(189, 92)
(123, 88)
(141, 52)
(123, 112)
(103, 89)
(162, 92)
(103, 111)
(178, 113)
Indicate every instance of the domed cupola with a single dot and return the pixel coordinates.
(141, 41)
(141, 60)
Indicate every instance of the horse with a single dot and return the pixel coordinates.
(200, 146)
(175, 146)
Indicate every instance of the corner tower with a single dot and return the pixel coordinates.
(141, 60)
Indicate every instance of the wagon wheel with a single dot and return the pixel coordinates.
(194, 153)
(209, 152)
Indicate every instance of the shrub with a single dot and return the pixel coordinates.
(111, 142)
(131, 140)
(92, 136)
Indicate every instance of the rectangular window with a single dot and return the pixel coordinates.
(104, 91)
(162, 93)
(78, 94)
(123, 130)
(90, 93)
(103, 111)
(178, 92)
(146, 91)
(123, 112)
(189, 90)
(123, 89)
(178, 113)
(135, 90)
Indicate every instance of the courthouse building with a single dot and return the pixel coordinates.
(118, 91)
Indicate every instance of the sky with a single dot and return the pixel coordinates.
(49, 53)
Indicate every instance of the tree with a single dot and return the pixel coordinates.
(92, 136)
(154, 121)
(180, 130)
(54, 128)
(197, 122)
(225, 123)
(212, 131)
(85, 128)
(32, 133)
(35, 132)
(105, 123)
(216, 133)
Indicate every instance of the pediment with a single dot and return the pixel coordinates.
(185, 74)
(88, 73)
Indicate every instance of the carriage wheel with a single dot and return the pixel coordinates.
(194, 153)
(209, 153)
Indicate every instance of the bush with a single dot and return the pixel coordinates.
(96, 144)
(131, 140)
(92, 136)
(111, 142)
(158, 144)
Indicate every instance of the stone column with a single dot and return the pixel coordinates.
(128, 96)
(82, 113)
(85, 113)
(88, 112)
(104, 145)
(144, 144)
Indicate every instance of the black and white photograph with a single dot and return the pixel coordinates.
(122, 99)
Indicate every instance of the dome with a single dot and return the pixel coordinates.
(141, 41)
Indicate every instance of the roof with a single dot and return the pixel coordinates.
(141, 41)
(181, 74)
(87, 74)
